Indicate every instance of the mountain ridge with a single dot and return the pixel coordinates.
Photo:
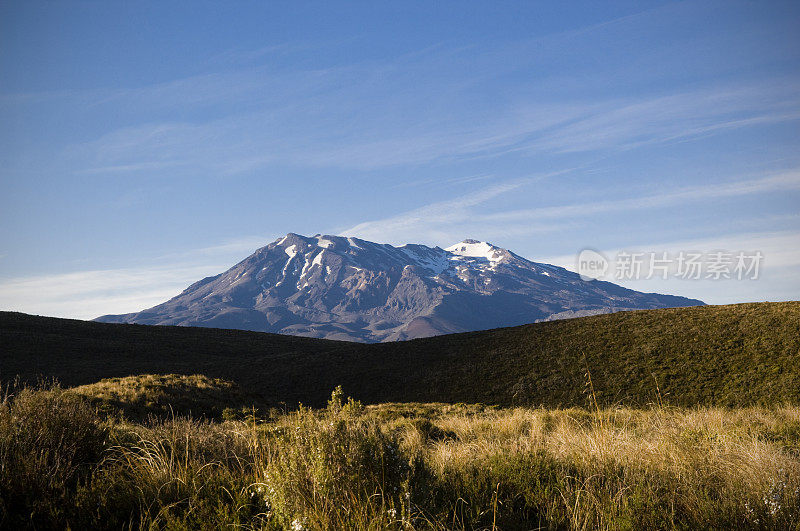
(346, 288)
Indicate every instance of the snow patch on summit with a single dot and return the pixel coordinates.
(476, 249)
(470, 250)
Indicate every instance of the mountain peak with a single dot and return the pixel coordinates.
(342, 287)
(291, 238)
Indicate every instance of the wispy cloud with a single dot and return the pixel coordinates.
(88, 294)
(224, 252)
(135, 167)
(445, 181)
(428, 221)
(783, 181)
(629, 124)
(295, 131)
(467, 215)
(254, 110)
(408, 110)
(443, 220)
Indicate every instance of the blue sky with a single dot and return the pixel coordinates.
(145, 145)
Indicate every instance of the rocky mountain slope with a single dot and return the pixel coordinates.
(351, 289)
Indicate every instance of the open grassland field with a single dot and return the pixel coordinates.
(735, 355)
(67, 462)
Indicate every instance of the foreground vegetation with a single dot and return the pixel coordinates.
(731, 356)
(68, 463)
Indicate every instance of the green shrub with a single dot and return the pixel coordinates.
(335, 470)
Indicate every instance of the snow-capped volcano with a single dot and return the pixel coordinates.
(347, 288)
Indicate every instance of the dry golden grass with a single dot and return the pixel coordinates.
(738, 454)
(402, 466)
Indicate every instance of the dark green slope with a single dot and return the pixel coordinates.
(724, 355)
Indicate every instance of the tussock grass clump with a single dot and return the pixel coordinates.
(335, 469)
(49, 441)
(176, 473)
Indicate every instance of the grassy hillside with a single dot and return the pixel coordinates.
(138, 397)
(736, 355)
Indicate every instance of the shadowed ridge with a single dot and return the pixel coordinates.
(732, 355)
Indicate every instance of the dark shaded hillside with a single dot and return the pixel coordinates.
(725, 355)
(83, 352)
